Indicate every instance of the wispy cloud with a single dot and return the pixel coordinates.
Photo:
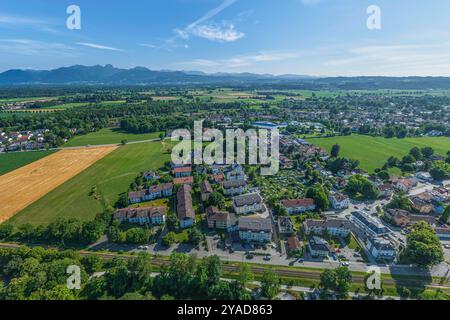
(98, 46)
(398, 59)
(239, 61)
(223, 32)
(33, 47)
(310, 2)
(14, 21)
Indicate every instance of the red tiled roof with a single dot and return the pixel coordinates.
(305, 202)
(183, 180)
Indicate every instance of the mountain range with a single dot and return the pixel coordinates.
(110, 75)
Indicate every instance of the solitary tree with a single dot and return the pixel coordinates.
(422, 246)
(335, 150)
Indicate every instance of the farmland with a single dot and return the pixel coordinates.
(109, 136)
(110, 177)
(12, 161)
(372, 152)
(22, 187)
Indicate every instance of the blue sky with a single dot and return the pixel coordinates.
(315, 37)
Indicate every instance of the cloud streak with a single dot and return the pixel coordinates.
(239, 61)
(224, 32)
(97, 46)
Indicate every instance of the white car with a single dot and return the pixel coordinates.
(345, 264)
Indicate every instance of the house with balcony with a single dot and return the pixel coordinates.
(253, 229)
(234, 187)
(248, 203)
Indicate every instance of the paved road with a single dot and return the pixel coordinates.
(258, 269)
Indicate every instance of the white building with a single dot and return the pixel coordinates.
(372, 226)
(339, 201)
(335, 227)
(299, 205)
(248, 203)
(255, 229)
(381, 249)
(234, 187)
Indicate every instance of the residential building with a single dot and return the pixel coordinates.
(181, 172)
(150, 175)
(405, 185)
(152, 193)
(318, 247)
(293, 244)
(185, 210)
(142, 215)
(255, 229)
(234, 187)
(206, 190)
(403, 218)
(299, 205)
(339, 201)
(248, 203)
(217, 178)
(335, 227)
(221, 219)
(372, 226)
(386, 190)
(381, 249)
(285, 225)
(183, 180)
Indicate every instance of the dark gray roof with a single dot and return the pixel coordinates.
(318, 244)
(255, 224)
(381, 244)
(328, 223)
(247, 199)
(234, 184)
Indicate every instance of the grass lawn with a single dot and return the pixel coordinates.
(353, 244)
(108, 136)
(164, 202)
(15, 160)
(111, 175)
(372, 152)
(182, 236)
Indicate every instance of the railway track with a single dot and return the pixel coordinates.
(300, 274)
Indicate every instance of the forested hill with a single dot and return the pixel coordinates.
(109, 75)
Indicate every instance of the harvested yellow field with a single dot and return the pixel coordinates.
(22, 187)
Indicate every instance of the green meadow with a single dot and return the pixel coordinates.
(12, 161)
(96, 188)
(372, 152)
(108, 136)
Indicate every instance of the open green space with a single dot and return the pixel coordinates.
(109, 136)
(12, 161)
(372, 152)
(109, 177)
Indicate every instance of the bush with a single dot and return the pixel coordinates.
(6, 231)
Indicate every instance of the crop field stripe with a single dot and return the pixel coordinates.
(22, 187)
